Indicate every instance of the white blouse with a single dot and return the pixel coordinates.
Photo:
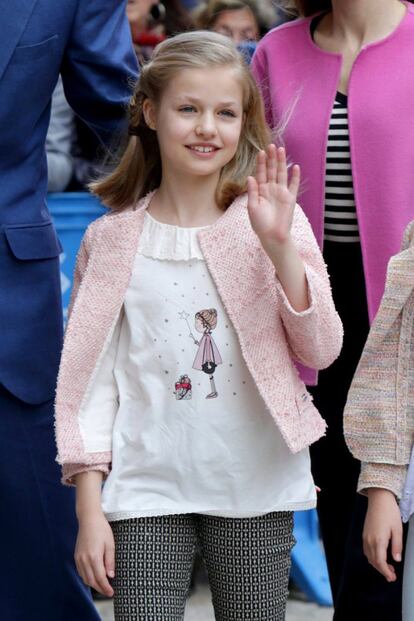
(191, 434)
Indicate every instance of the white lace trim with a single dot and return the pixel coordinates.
(169, 242)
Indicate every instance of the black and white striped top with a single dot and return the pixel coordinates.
(341, 223)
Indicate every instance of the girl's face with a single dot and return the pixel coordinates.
(198, 121)
(199, 324)
(238, 24)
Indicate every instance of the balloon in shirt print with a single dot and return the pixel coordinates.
(208, 355)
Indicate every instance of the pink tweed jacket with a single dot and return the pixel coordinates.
(270, 332)
(379, 414)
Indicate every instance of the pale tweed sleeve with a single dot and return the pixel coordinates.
(314, 335)
(69, 470)
(386, 476)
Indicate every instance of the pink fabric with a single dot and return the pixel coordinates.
(207, 352)
(299, 82)
(270, 332)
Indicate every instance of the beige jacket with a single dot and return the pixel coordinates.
(379, 414)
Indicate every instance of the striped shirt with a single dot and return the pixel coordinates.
(341, 224)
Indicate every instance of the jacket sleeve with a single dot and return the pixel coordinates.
(99, 65)
(385, 476)
(97, 416)
(315, 334)
(80, 268)
(73, 454)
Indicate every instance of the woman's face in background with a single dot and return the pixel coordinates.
(238, 24)
(138, 11)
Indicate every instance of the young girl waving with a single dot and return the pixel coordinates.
(222, 464)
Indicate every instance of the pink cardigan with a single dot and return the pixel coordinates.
(299, 79)
(270, 332)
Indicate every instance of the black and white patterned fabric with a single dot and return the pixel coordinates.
(341, 224)
(247, 560)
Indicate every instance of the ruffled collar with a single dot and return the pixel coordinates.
(169, 242)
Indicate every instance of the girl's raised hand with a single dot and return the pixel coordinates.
(272, 198)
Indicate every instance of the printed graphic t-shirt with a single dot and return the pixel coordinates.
(192, 434)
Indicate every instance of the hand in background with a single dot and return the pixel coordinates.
(382, 527)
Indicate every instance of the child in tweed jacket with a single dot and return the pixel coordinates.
(379, 423)
(204, 445)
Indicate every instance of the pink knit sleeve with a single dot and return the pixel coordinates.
(314, 335)
(69, 471)
(80, 267)
(66, 436)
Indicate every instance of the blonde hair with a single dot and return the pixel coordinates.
(138, 170)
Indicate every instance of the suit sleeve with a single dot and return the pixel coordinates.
(99, 66)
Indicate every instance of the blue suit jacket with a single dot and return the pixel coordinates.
(88, 42)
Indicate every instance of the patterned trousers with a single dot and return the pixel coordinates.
(247, 560)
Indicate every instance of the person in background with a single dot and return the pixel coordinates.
(59, 142)
(341, 82)
(151, 22)
(241, 20)
(140, 21)
(379, 425)
(89, 44)
(191, 276)
(177, 18)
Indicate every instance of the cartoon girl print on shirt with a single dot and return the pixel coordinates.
(208, 355)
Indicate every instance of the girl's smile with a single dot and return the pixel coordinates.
(203, 150)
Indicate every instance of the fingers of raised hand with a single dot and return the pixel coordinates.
(294, 180)
(252, 193)
(271, 163)
(261, 168)
(282, 173)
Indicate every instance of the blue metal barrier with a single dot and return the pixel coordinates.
(309, 571)
(71, 213)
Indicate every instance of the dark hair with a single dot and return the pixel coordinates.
(309, 7)
(304, 8)
(177, 18)
(206, 14)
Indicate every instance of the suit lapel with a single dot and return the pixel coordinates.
(14, 18)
